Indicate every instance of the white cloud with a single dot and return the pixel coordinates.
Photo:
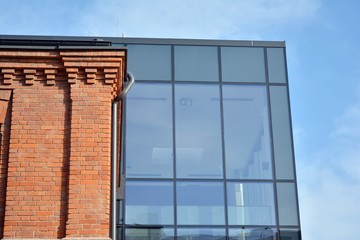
(329, 183)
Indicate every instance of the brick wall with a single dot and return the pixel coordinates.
(55, 172)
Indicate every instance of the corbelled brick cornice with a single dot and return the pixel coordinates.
(70, 65)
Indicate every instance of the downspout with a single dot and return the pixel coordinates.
(114, 137)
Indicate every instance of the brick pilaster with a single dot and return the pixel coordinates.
(90, 173)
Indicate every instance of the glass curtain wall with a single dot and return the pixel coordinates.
(202, 155)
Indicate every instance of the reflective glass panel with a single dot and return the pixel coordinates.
(287, 204)
(251, 203)
(150, 62)
(247, 138)
(276, 65)
(198, 131)
(149, 148)
(150, 233)
(283, 151)
(242, 64)
(201, 234)
(200, 203)
(263, 233)
(149, 202)
(196, 63)
(290, 234)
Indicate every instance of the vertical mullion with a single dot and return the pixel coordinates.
(223, 142)
(174, 137)
(122, 165)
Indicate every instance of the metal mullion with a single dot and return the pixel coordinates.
(174, 137)
(123, 165)
(286, 181)
(223, 144)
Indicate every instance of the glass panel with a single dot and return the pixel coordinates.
(283, 152)
(198, 131)
(290, 234)
(200, 203)
(251, 203)
(195, 63)
(242, 64)
(287, 204)
(149, 202)
(247, 138)
(201, 234)
(150, 62)
(149, 148)
(253, 234)
(150, 233)
(276, 65)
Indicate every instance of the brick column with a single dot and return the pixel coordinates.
(55, 148)
(90, 173)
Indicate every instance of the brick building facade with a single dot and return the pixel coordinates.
(55, 160)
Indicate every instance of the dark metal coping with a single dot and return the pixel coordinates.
(28, 42)
(41, 47)
(108, 41)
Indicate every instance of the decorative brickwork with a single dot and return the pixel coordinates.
(55, 116)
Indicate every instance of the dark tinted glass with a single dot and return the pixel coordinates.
(263, 233)
(200, 203)
(201, 234)
(149, 233)
(150, 62)
(283, 151)
(149, 202)
(251, 204)
(287, 204)
(149, 148)
(198, 131)
(276, 65)
(247, 138)
(242, 64)
(196, 63)
(290, 234)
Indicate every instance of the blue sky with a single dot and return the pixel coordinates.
(322, 40)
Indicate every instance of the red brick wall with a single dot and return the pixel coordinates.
(5, 120)
(56, 142)
(38, 161)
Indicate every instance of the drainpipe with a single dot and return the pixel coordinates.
(114, 137)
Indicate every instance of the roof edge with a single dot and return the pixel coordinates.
(125, 40)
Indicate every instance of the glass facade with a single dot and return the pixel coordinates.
(207, 150)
